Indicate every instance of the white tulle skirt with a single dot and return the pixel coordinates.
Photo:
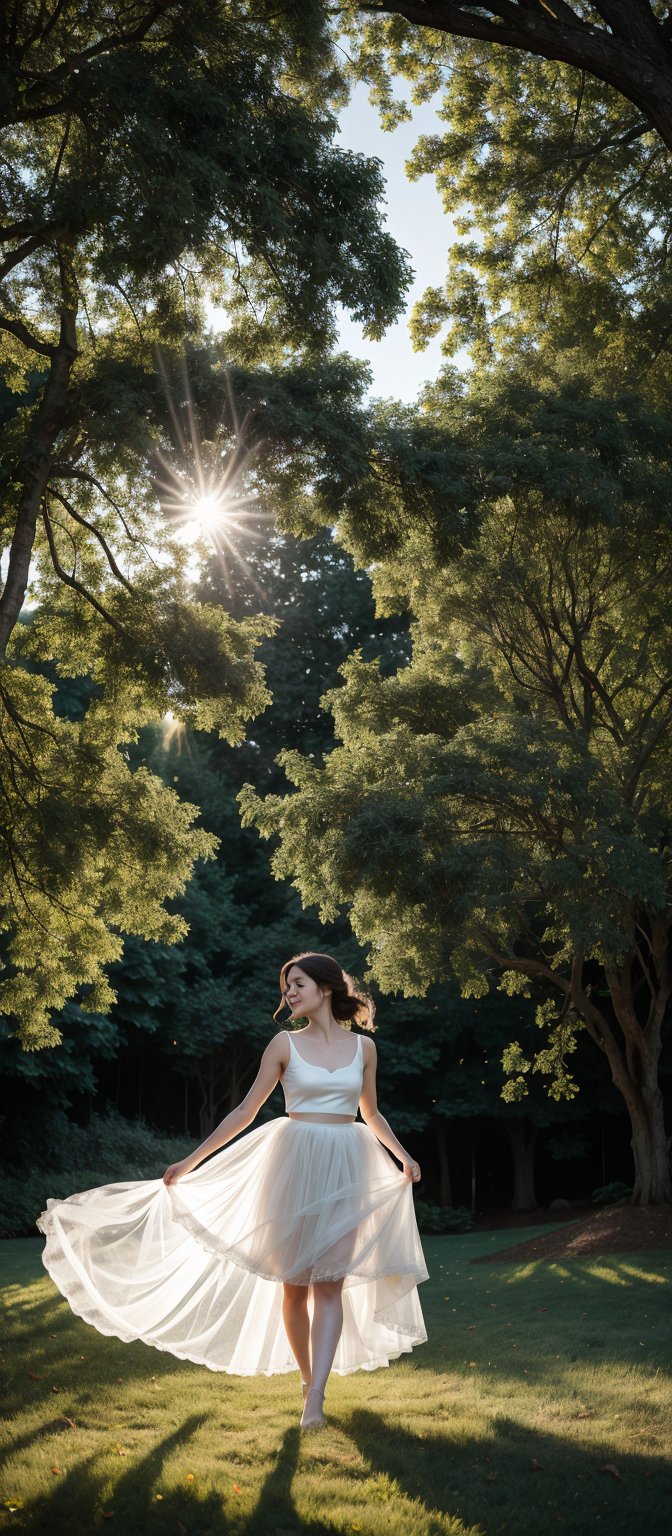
(196, 1268)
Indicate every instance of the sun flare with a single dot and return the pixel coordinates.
(209, 510)
(205, 494)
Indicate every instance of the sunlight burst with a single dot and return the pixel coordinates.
(203, 494)
(209, 509)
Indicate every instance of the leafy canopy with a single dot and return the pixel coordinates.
(498, 809)
(559, 186)
(152, 154)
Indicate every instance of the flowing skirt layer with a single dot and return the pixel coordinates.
(196, 1267)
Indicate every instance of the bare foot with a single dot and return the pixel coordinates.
(312, 1416)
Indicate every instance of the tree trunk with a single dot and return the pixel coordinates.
(634, 1060)
(440, 1132)
(49, 421)
(634, 1069)
(523, 1136)
(652, 1185)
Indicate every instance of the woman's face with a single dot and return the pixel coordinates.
(303, 994)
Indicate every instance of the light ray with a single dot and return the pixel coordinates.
(199, 489)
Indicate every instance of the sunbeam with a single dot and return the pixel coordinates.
(199, 490)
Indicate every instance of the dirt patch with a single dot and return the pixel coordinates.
(615, 1229)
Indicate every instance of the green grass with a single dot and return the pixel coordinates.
(535, 1378)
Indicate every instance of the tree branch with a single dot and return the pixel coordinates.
(633, 57)
(96, 533)
(18, 329)
(71, 581)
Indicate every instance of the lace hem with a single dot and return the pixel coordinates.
(53, 1254)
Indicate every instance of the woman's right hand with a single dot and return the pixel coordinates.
(176, 1171)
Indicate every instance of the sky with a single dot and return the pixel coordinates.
(415, 217)
(413, 214)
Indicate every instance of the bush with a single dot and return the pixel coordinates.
(110, 1150)
(50, 1140)
(110, 1141)
(436, 1219)
(610, 1194)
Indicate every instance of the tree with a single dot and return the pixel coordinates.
(559, 188)
(152, 153)
(624, 43)
(499, 808)
(203, 1010)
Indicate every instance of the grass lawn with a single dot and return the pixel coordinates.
(541, 1402)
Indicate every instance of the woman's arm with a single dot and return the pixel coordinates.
(376, 1122)
(270, 1068)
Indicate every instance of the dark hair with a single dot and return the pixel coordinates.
(349, 1001)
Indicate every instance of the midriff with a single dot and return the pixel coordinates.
(323, 1119)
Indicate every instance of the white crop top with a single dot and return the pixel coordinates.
(322, 1090)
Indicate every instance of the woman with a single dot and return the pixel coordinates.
(305, 1210)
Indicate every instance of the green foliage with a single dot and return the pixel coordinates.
(109, 1149)
(109, 1140)
(500, 804)
(152, 158)
(92, 851)
(612, 1194)
(436, 1219)
(558, 185)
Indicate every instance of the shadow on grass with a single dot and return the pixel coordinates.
(514, 1482)
(69, 1357)
(85, 1501)
(519, 1481)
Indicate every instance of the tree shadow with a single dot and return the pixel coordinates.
(275, 1513)
(84, 1501)
(69, 1354)
(518, 1480)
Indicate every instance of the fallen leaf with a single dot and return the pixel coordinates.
(107, 1514)
(535, 1465)
(236, 1487)
(190, 1477)
(55, 1389)
(63, 1419)
(34, 1376)
(491, 1477)
(55, 1470)
(612, 1470)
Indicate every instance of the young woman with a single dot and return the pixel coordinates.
(298, 1245)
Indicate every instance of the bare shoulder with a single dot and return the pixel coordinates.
(369, 1049)
(277, 1050)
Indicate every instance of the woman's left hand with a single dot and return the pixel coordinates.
(412, 1171)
